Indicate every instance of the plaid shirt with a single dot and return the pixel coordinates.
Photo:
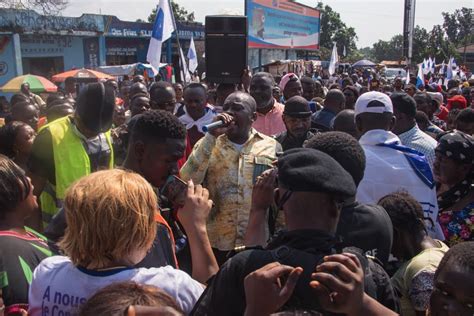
(229, 174)
(419, 140)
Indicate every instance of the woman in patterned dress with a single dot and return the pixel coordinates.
(454, 173)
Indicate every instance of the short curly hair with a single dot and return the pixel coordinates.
(8, 134)
(466, 115)
(344, 148)
(459, 256)
(157, 126)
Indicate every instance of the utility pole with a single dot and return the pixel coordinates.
(408, 29)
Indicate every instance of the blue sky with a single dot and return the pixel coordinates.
(372, 19)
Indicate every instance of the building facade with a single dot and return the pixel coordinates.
(46, 45)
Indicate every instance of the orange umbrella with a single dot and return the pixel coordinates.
(81, 74)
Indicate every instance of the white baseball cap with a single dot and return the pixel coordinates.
(373, 102)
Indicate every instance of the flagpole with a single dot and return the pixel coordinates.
(179, 44)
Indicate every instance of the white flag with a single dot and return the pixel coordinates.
(192, 56)
(441, 70)
(407, 81)
(344, 51)
(185, 76)
(449, 71)
(162, 30)
(334, 60)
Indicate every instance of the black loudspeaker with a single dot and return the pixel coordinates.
(226, 48)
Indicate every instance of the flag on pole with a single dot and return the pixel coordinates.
(424, 66)
(185, 76)
(334, 60)
(420, 78)
(192, 56)
(449, 71)
(344, 51)
(407, 81)
(162, 30)
(433, 65)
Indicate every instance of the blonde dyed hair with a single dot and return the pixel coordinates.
(109, 216)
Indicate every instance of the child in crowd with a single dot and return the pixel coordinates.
(110, 229)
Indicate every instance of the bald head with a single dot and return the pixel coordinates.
(137, 88)
(335, 100)
(241, 97)
(162, 96)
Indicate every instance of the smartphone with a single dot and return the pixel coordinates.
(174, 190)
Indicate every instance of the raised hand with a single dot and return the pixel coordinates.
(267, 281)
(339, 283)
(193, 215)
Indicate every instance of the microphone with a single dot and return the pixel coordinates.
(212, 126)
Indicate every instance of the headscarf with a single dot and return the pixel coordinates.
(458, 146)
(287, 78)
(458, 99)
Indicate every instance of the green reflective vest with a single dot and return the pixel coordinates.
(71, 163)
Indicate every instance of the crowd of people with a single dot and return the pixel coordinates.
(310, 197)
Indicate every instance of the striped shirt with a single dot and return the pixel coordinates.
(417, 139)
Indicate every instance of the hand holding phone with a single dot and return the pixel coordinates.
(195, 211)
(175, 190)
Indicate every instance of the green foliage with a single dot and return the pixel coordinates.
(180, 14)
(440, 42)
(459, 26)
(333, 29)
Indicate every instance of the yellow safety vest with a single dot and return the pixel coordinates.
(71, 163)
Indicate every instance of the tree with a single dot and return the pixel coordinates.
(459, 27)
(180, 14)
(388, 50)
(46, 7)
(333, 29)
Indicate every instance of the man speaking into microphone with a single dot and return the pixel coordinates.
(227, 161)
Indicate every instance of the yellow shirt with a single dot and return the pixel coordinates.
(414, 279)
(229, 173)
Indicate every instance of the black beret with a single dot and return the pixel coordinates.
(297, 107)
(310, 170)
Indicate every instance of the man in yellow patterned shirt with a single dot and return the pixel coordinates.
(227, 162)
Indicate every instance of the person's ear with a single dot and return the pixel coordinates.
(358, 123)
(254, 116)
(393, 121)
(139, 150)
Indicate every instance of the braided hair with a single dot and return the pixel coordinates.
(404, 211)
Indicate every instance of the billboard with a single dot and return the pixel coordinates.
(282, 24)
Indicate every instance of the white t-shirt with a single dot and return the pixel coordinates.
(60, 288)
(387, 170)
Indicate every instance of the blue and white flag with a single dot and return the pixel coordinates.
(334, 60)
(162, 30)
(192, 56)
(433, 65)
(449, 71)
(185, 76)
(420, 78)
